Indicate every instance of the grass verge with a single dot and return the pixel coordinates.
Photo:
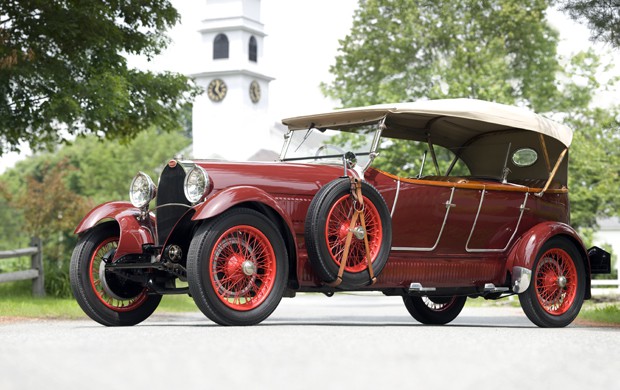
(67, 308)
(606, 314)
(16, 302)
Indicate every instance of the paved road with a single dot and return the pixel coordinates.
(312, 342)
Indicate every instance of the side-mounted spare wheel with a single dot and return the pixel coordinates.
(328, 223)
(557, 289)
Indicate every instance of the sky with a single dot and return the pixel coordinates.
(301, 44)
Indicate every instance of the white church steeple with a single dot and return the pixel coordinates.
(230, 119)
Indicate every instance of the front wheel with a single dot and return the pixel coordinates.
(237, 268)
(434, 310)
(557, 290)
(107, 297)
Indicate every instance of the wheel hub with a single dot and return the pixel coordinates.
(359, 232)
(562, 281)
(248, 267)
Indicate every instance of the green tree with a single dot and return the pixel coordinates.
(404, 50)
(601, 16)
(48, 194)
(63, 71)
(594, 169)
(498, 50)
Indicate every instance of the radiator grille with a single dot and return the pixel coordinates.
(170, 190)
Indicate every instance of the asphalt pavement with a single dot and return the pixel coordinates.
(311, 342)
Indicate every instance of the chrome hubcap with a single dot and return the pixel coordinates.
(248, 268)
(562, 281)
(359, 232)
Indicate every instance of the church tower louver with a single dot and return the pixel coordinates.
(230, 119)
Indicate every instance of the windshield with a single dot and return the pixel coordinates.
(328, 146)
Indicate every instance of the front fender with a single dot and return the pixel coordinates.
(134, 230)
(233, 196)
(523, 253)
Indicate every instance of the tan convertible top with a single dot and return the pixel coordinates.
(453, 121)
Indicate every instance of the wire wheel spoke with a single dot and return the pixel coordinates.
(243, 266)
(338, 226)
(102, 289)
(556, 281)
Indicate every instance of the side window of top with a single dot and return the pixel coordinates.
(414, 159)
(220, 46)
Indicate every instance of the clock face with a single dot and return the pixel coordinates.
(255, 91)
(217, 90)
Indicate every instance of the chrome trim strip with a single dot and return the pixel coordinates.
(417, 287)
(448, 205)
(522, 208)
(395, 198)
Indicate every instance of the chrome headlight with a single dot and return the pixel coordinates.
(142, 190)
(196, 183)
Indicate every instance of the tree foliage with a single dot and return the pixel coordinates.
(498, 50)
(594, 169)
(404, 50)
(601, 16)
(47, 195)
(63, 70)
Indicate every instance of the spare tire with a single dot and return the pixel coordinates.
(328, 223)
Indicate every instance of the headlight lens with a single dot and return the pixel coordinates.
(196, 183)
(142, 190)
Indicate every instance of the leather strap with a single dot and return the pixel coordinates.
(358, 212)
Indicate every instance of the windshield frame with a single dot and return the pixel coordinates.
(374, 145)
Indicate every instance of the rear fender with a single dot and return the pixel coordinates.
(523, 254)
(135, 231)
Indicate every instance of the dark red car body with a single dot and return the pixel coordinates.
(449, 237)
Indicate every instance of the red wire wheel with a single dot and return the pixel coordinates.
(237, 267)
(107, 287)
(328, 222)
(105, 296)
(243, 267)
(556, 281)
(558, 284)
(338, 225)
(434, 310)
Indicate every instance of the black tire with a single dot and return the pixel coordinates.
(557, 288)
(325, 224)
(104, 297)
(237, 268)
(434, 310)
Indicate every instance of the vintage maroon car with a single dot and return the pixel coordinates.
(488, 217)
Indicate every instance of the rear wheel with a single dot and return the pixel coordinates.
(237, 268)
(105, 296)
(557, 290)
(434, 310)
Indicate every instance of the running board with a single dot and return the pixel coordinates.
(417, 287)
(490, 288)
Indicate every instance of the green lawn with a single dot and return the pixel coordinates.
(16, 301)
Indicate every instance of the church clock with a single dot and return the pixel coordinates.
(254, 91)
(217, 90)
